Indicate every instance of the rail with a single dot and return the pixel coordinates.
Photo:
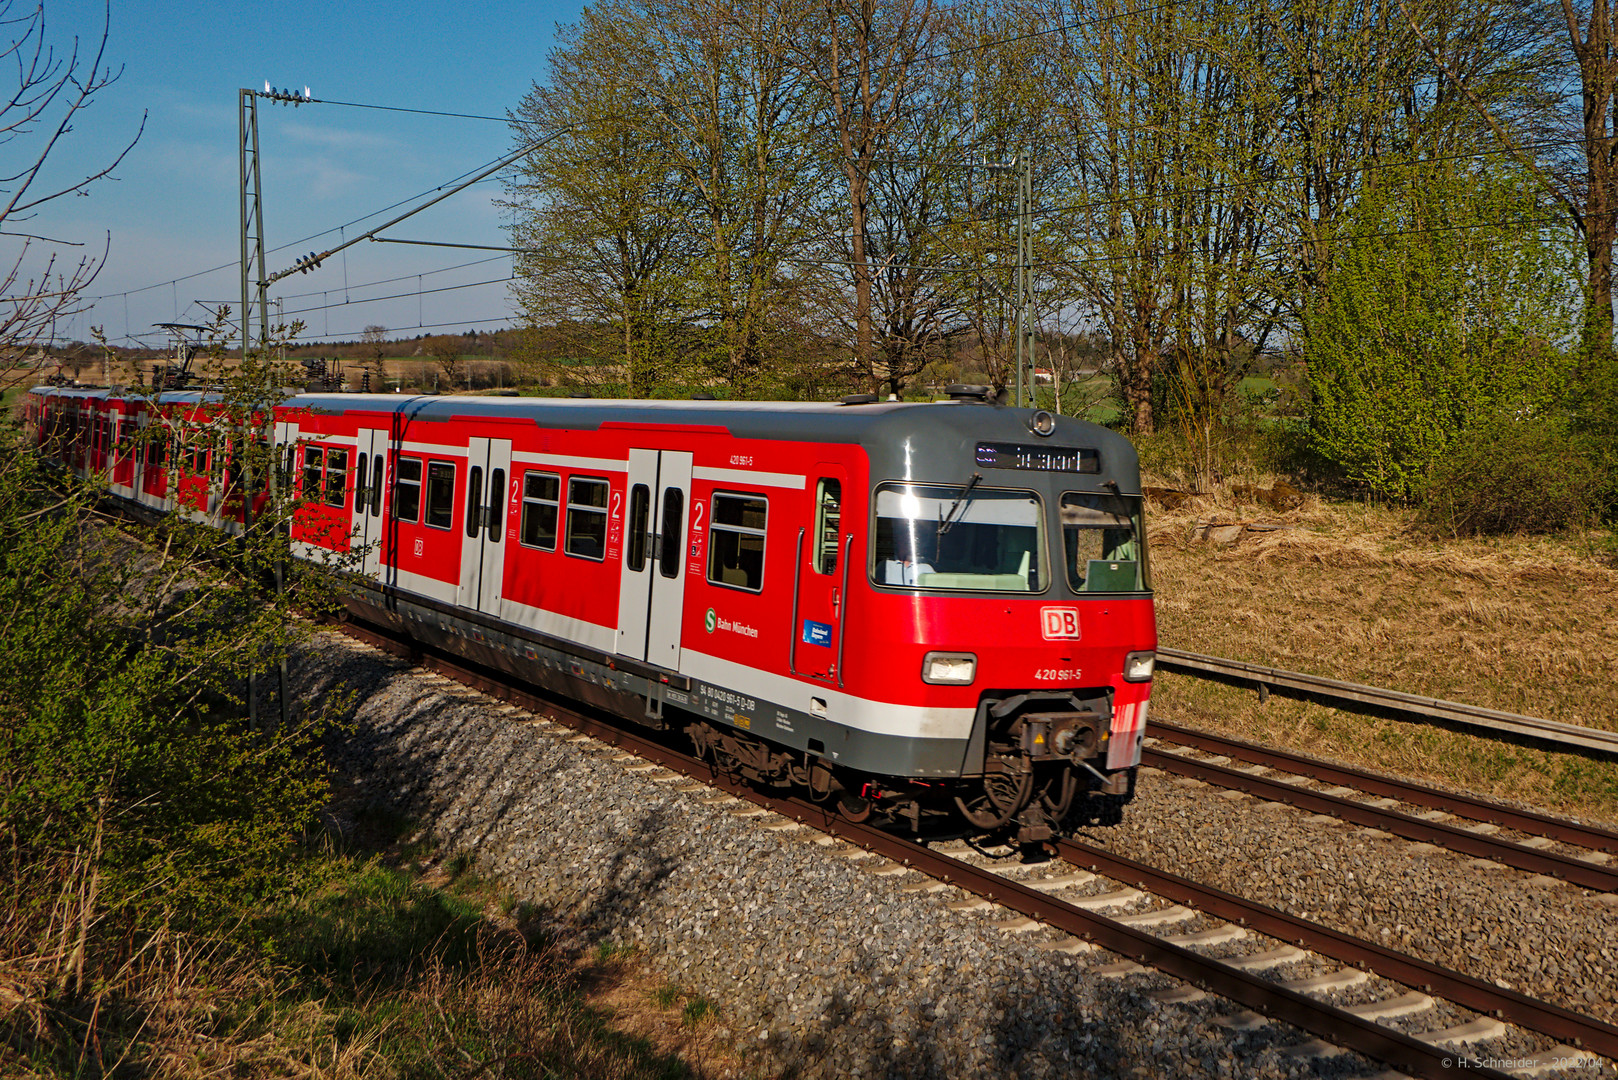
(1346, 695)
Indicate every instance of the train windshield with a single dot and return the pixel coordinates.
(1104, 541)
(937, 537)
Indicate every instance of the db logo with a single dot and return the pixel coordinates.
(1059, 622)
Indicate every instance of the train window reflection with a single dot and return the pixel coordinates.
(440, 494)
(336, 476)
(497, 504)
(673, 539)
(378, 472)
(360, 475)
(640, 503)
(736, 541)
(407, 490)
(312, 458)
(1103, 542)
(474, 501)
(587, 518)
(940, 537)
(541, 496)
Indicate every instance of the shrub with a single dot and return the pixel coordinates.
(1515, 476)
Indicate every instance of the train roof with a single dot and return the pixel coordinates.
(902, 439)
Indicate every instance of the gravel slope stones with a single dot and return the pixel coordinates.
(829, 969)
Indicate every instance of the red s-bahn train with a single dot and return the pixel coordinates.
(902, 608)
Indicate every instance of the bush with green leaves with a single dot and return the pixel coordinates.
(133, 790)
(1441, 308)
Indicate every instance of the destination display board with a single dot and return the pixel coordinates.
(1076, 459)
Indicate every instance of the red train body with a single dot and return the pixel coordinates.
(905, 608)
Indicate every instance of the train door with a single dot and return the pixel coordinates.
(822, 578)
(651, 593)
(120, 467)
(370, 472)
(483, 550)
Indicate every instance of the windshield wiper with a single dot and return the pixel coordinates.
(946, 520)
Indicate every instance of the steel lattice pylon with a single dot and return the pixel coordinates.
(255, 288)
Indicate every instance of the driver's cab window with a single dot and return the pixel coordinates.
(1103, 543)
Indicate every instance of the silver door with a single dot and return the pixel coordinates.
(486, 506)
(651, 592)
(370, 474)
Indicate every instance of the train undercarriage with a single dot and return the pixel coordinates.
(1036, 759)
(1041, 772)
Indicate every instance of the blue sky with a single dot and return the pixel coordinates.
(173, 208)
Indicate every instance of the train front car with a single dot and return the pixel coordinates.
(1010, 589)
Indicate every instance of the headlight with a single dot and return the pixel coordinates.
(1138, 666)
(950, 669)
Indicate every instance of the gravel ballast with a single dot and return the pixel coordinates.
(1543, 938)
(823, 966)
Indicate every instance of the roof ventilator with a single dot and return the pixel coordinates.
(966, 392)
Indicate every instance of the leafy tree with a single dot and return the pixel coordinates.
(1443, 310)
(737, 115)
(868, 62)
(601, 215)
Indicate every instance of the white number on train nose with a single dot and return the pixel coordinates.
(1059, 623)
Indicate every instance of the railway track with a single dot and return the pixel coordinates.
(1376, 700)
(1047, 896)
(1464, 824)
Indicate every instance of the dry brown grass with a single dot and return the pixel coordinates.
(179, 1006)
(1355, 592)
(377, 974)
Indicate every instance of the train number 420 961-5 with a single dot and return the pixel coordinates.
(1056, 674)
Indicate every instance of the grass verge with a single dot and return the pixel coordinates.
(1356, 592)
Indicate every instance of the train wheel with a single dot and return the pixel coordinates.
(999, 801)
(855, 808)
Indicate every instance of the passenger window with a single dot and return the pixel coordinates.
(828, 524)
(313, 456)
(736, 547)
(668, 559)
(640, 500)
(336, 476)
(440, 494)
(407, 490)
(541, 492)
(587, 518)
(497, 503)
(360, 490)
(474, 500)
